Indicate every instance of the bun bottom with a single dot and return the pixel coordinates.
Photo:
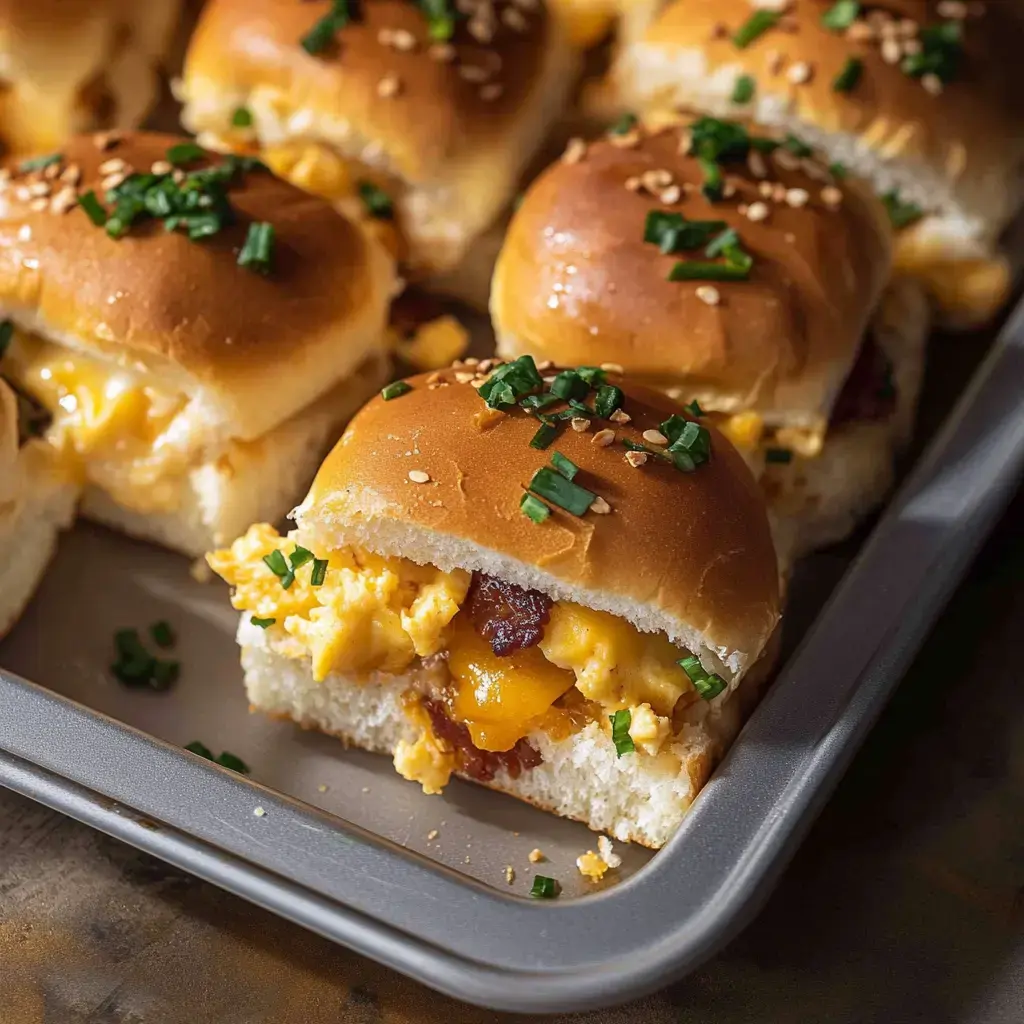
(637, 798)
(30, 544)
(251, 482)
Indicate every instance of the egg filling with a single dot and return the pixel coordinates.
(358, 614)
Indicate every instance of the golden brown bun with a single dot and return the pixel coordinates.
(453, 132)
(959, 152)
(576, 282)
(688, 553)
(259, 348)
(74, 65)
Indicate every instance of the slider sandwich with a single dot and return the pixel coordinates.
(921, 99)
(727, 270)
(36, 502)
(77, 65)
(418, 117)
(196, 328)
(503, 577)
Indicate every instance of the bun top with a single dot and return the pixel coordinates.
(10, 477)
(260, 345)
(577, 282)
(934, 110)
(437, 476)
(383, 77)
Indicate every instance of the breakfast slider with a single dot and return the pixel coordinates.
(36, 502)
(724, 269)
(919, 98)
(197, 329)
(421, 117)
(77, 65)
(504, 577)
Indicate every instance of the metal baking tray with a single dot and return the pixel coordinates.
(349, 850)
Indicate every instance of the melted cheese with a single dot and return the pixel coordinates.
(314, 168)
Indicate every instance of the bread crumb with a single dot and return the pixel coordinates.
(259, 812)
(536, 856)
(321, 788)
(620, 417)
(606, 850)
(417, 476)
(636, 459)
(591, 866)
(510, 874)
(432, 834)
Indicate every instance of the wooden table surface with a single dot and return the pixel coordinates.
(905, 904)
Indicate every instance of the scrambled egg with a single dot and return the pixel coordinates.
(426, 761)
(435, 344)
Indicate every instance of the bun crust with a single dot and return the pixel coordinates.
(262, 346)
(577, 283)
(688, 553)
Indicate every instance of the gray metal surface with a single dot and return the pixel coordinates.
(358, 882)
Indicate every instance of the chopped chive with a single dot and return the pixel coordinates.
(764, 145)
(707, 685)
(841, 15)
(300, 556)
(262, 623)
(534, 509)
(901, 214)
(162, 634)
(321, 35)
(624, 125)
(672, 233)
(689, 442)
(440, 19)
(533, 402)
(778, 456)
(609, 398)
(554, 487)
(376, 201)
(38, 163)
(6, 334)
(257, 253)
(728, 239)
(241, 118)
(276, 563)
(566, 467)
(232, 762)
(544, 888)
(93, 208)
(165, 674)
(940, 53)
(546, 433)
(569, 384)
(694, 408)
(714, 180)
(797, 146)
(847, 79)
(698, 270)
(395, 390)
(201, 749)
(510, 382)
(319, 572)
(837, 170)
(756, 25)
(743, 90)
(593, 375)
(185, 153)
(621, 722)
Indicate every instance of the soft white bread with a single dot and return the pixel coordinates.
(576, 282)
(949, 143)
(444, 128)
(36, 502)
(634, 798)
(76, 65)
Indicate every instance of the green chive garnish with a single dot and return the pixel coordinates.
(593, 375)
(184, 153)
(440, 19)
(687, 438)
(241, 118)
(624, 125)
(621, 722)
(38, 163)
(569, 384)
(395, 390)
(262, 623)
(756, 25)
(566, 467)
(780, 456)
(6, 334)
(510, 382)
(728, 239)
(533, 402)
(698, 270)
(901, 213)
(300, 556)
(694, 408)
(609, 398)
(743, 90)
(672, 233)
(554, 487)
(321, 35)
(848, 78)
(841, 15)
(319, 572)
(940, 53)
(707, 685)
(276, 563)
(162, 634)
(534, 509)
(544, 888)
(837, 170)
(546, 433)
(376, 201)
(714, 179)
(258, 251)
(93, 208)
(797, 146)
(201, 749)
(233, 763)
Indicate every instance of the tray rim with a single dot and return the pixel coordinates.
(677, 910)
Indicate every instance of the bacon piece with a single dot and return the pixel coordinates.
(508, 617)
(869, 392)
(478, 764)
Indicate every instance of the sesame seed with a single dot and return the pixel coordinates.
(465, 377)
(799, 73)
(892, 51)
(113, 180)
(636, 459)
(620, 417)
(600, 506)
(908, 28)
(535, 856)
(655, 437)
(831, 196)
(654, 180)
(786, 160)
(729, 189)
(64, 200)
(39, 188)
(603, 438)
(442, 52)
(22, 194)
(671, 195)
(432, 834)
(778, 192)
(106, 140)
(709, 294)
(161, 167)
(514, 19)
(385, 37)
(797, 197)
(860, 32)
(417, 476)
(574, 151)
(468, 361)
(814, 170)
(112, 166)
(757, 212)
(491, 92)
(633, 184)
(755, 162)
(51, 171)
(403, 40)
(434, 378)
(480, 28)
(473, 73)
(40, 204)
(579, 424)
(932, 84)
(485, 366)
(766, 188)
(388, 87)
(612, 368)
(628, 140)
(955, 9)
